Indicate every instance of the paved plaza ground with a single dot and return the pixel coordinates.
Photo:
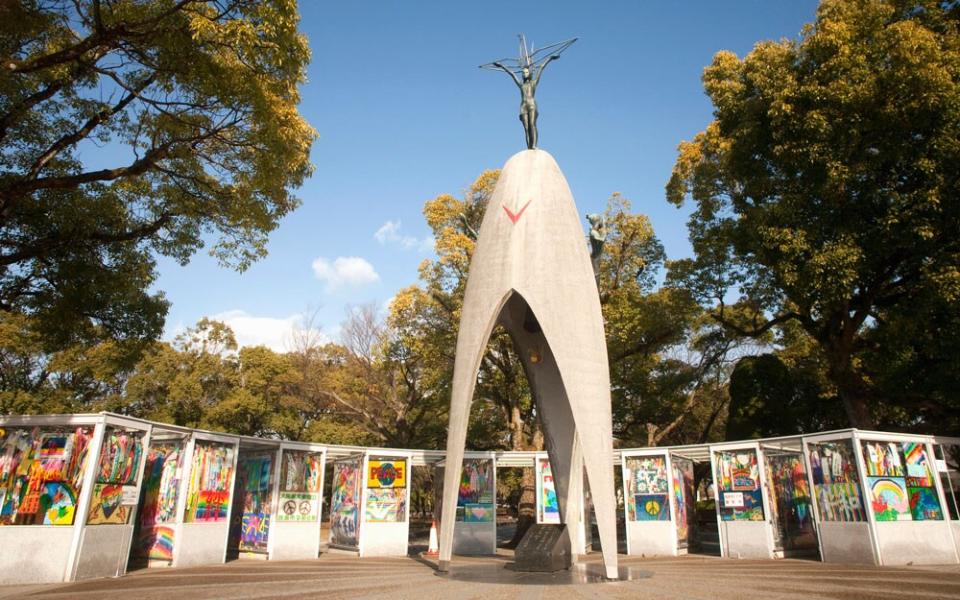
(335, 576)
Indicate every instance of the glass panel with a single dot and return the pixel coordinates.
(386, 490)
(950, 479)
(790, 501)
(683, 500)
(211, 474)
(738, 481)
(252, 499)
(647, 488)
(475, 498)
(548, 508)
(158, 504)
(300, 486)
(890, 495)
(836, 481)
(117, 471)
(345, 502)
(924, 501)
(41, 474)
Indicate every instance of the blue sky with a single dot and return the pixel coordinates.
(404, 114)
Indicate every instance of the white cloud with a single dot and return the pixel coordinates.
(344, 270)
(427, 244)
(389, 233)
(274, 333)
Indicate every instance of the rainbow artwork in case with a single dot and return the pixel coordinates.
(888, 498)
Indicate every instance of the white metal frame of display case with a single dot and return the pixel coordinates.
(751, 539)
(296, 539)
(208, 541)
(384, 539)
(939, 441)
(41, 543)
(583, 540)
(792, 444)
(836, 538)
(163, 434)
(907, 542)
(109, 551)
(259, 446)
(650, 538)
(465, 534)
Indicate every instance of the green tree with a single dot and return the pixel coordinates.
(375, 382)
(78, 378)
(195, 104)
(181, 383)
(825, 189)
(768, 398)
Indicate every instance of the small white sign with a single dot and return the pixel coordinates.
(942, 466)
(130, 495)
(733, 500)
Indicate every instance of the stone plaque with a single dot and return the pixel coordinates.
(544, 548)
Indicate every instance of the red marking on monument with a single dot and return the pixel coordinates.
(516, 217)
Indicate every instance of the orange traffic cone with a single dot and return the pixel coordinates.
(434, 549)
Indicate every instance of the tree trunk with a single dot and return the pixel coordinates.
(852, 388)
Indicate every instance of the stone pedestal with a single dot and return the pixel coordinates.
(544, 548)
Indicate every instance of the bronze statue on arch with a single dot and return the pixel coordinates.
(526, 71)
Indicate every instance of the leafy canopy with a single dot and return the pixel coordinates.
(134, 127)
(826, 188)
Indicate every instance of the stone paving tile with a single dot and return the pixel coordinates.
(336, 577)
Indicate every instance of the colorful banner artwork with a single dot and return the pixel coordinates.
(478, 513)
(651, 507)
(254, 531)
(386, 505)
(58, 505)
(156, 543)
(924, 504)
(301, 471)
(836, 481)
(548, 508)
(683, 499)
(255, 473)
(791, 504)
(476, 482)
(882, 459)
(644, 475)
(106, 507)
(387, 473)
(840, 502)
(475, 497)
(741, 506)
(889, 499)
(833, 462)
(649, 474)
(738, 470)
(344, 502)
(739, 485)
(53, 445)
(120, 457)
(252, 496)
(161, 484)
(211, 476)
(211, 506)
(919, 473)
(41, 474)
(299, 507)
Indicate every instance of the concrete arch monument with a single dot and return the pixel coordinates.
(531, 273)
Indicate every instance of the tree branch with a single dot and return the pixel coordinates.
(72, 138)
